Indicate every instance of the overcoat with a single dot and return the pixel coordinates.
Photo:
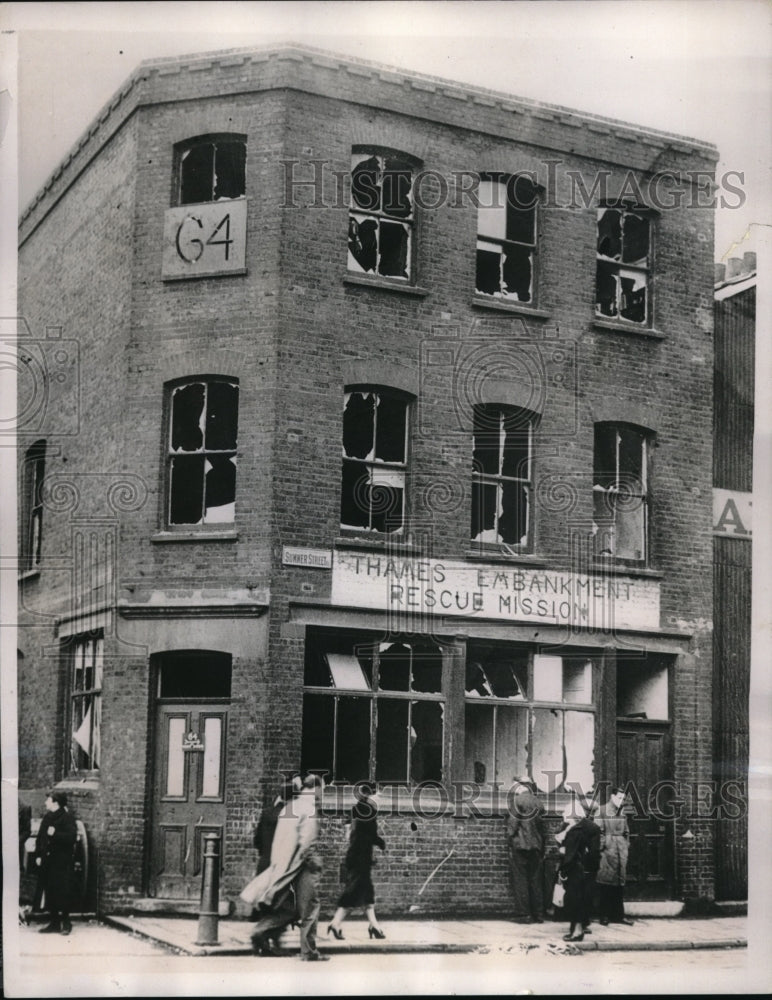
(57, 857)
(614, 848)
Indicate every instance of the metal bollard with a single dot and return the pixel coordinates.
(208, 911)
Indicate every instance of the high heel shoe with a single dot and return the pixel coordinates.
(336, 932)
(375, 932)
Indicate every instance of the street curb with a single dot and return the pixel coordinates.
(679, 945)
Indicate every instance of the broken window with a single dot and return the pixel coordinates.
(202, 452)
(506, 237)
(496, 734)
(621, 288)
(85, 717)
(501, 475)
(32, 506)
(373, 710)
(620, 492)
(211, 168)
(642, 686)
(380, 227)
(375, 424)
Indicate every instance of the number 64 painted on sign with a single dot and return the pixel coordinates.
(190, 242)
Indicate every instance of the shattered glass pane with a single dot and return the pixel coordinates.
(391, 741)
(632, 296)
(317, 747)
(488, 274)
(347, 672)
(486, 444)
(547, 748)
(387, 499)
(521, 211)
(394, 672)
(426, 739)
(352, 740)
(577, 681)
(394, 249)
(605, 456)
(580, 748)
(631, 529)
(186, 489)
(517, 269)
(391, 422)
(513, 519)
(631, 451)
(354, 510)
(230, 169)
(358, 424)
(484, 497)
(516, 449)
(397, 185)
(476, 684)
(188, 417)
(508, 679)
(606, 289)
(511, 744)
(362, 243)
(610, 233)
(478, 743)
(366, 182)
(222, 416)
(492, 209)
(197, 174)
(220, 502)
(635, 241)
(427, 673)
(317, 669)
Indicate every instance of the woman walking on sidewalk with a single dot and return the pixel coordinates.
(358, 888)
(612, 873)
(580, 847)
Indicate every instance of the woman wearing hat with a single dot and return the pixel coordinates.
(580, 849)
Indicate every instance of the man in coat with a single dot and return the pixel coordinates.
(526, 839)
(54, 856)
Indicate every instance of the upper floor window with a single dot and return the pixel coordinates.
(201, 451)
(502, 474)
(624, 259)
(210, 168)
(620, 491)
(375, 436)
(32, 505)
(506, 237)
(380, 229)
(85, 701)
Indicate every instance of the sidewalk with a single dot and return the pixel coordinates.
(402, 936)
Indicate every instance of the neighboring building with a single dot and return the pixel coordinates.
(733, 387)
(428, 504)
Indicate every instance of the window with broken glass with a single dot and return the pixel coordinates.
(380, 226)
(620, 492)
(373, 710)
(502, 475)
(201, 452)
(624, 259)
(506, 237)
(85, 653)
(32, 506)
(517, 720)
(375, 435)
(211, 168)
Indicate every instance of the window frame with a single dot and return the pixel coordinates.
(615, 267)
(397, 468)
(504, 243)
(648, 439)
(382, 153)
(481, 479)
(203, 526)
(181, 150)
(31, 538)
(71, 647)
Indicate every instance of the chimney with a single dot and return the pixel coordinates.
(749, 261)
(734, 267)
(719, 270)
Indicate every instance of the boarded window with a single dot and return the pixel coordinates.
(501, 475)
(202, 437)
(623, 262)
(380, 226)
(375, 424)
(620, 492)
(211, 168)
(506, 237)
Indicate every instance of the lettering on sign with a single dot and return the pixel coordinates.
(313, 558)
(732, 513)
(444, 588)
(205, 240)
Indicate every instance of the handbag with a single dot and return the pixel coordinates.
(559, 892)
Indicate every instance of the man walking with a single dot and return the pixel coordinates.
(526, 839)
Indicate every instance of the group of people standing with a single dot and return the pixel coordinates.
(593, 859)
(286, 888)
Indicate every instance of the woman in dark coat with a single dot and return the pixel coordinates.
(358, 887)
(580, 851)
(54, 856)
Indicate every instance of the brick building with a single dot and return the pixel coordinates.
(366, 427)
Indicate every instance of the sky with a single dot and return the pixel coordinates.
(700, 68)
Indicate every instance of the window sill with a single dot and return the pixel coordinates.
(502, 305)
(377, 541)
(385, 284)
(496, 555)
(233, 273)
(28, 574)
(194, 536)
(88, 782)
(621, 568)
(620, 326)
